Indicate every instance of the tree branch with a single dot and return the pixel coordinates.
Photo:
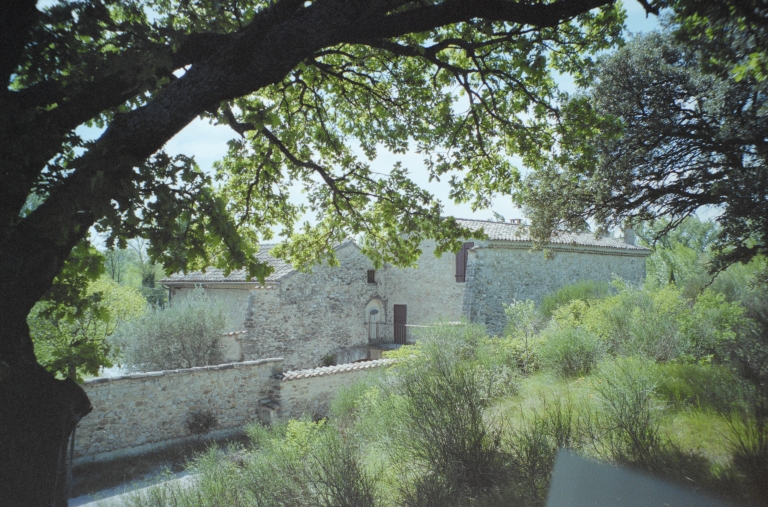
(422, 19)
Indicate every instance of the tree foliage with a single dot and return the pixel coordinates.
(448, 80)
(678, 132)
(73, 340)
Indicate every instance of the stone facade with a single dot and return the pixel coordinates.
(143, 412)
(333, 311)
(311, 315)
(499, 272)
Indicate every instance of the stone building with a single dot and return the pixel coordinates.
(342, 311)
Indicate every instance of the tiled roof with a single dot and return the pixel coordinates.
(214, 275)
(331, 370)
(502, 231)
(499, 231)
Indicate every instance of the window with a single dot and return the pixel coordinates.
(372, 276)
(461, 261)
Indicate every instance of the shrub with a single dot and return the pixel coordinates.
(523, 322)
(585, 290)
(629, 420)
(569, 351)
(184, 335)
(500, 381)
(201, 422)
(443, 431)
(306, 463)
(339, 479)
(711, 325)
(328, 360)
(657, 323)
(523, 357)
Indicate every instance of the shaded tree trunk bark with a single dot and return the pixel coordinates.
(37, 412)
(37, 416)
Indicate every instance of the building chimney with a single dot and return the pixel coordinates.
(629, 235)
(515, 221)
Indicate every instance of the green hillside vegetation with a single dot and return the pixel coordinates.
(668, 378)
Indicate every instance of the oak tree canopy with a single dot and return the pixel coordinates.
(676, 120)
(314, 87)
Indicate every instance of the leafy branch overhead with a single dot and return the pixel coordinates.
(319, 86)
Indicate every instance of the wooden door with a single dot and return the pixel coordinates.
(401, 317)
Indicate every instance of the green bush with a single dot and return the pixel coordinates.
(183, 335)
(328, 360)
(569, 351)
(585, 290)
(201, 422)
(442, 426)
(523, 322)
(629, 419)
(657, 323)
(306, 463)
(524, 357)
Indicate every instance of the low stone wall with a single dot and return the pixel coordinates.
(309, 392)
(143, 412)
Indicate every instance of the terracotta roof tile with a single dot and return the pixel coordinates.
(498, 231)
(503, 231)
(331, 370)
(214, 275)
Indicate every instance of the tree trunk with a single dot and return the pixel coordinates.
(37, 411)
(37, 416)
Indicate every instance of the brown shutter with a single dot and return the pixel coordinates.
(460, 265)
(401, 319)
(461, 261)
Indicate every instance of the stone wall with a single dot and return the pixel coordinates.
(310, 392)
(142, 412)
(310, 315)
(499, 272)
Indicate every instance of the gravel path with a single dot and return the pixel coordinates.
(116, 497)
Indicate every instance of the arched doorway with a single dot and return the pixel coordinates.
(374, 319)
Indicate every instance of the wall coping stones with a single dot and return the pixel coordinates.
(225, 366)
(331, 370)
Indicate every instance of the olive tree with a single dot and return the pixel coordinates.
(185, 334)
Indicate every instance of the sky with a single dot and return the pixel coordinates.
(208, 143)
